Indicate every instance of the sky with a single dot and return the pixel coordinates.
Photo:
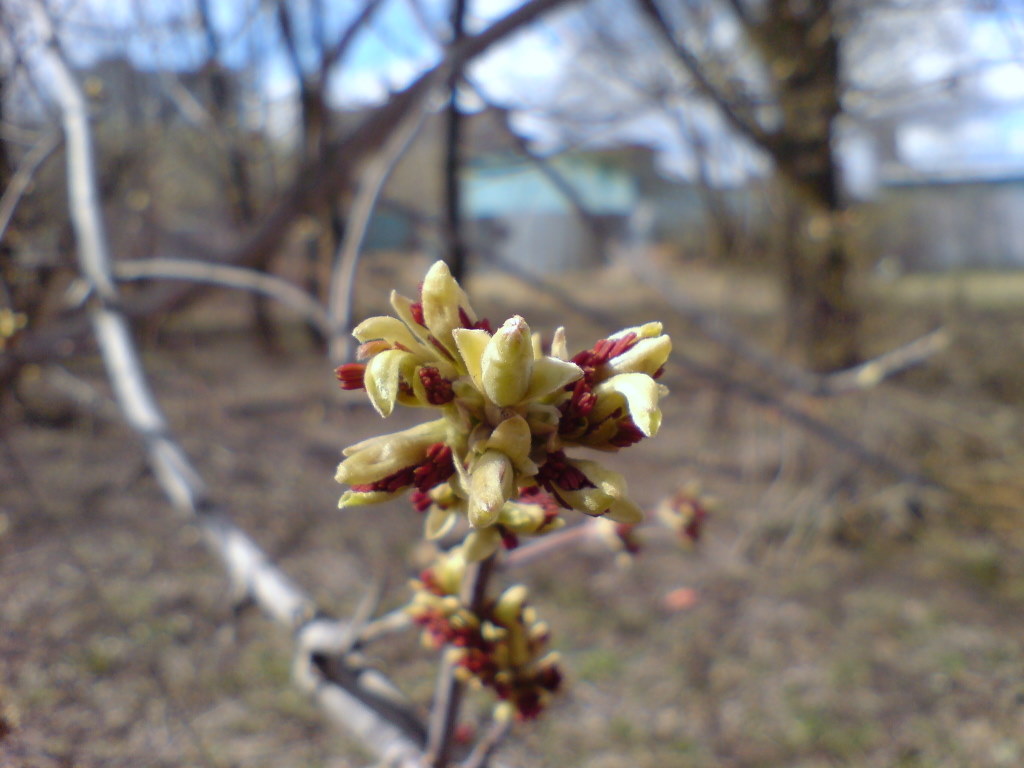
(541, 68)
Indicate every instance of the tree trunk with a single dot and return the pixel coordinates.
(801, 49)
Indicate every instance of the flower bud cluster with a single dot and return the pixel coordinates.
(686, 511)
(496, 456)
(502, 646)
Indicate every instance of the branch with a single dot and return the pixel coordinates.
(863, 376)
(316, 179)
(337, 52)
(486, 747)
(744, 389)
(554, 176)
(448, 694)
(357, 697)
(342, 288)
(745, 124)
(23, 176)
(453, 234)
(229, 277)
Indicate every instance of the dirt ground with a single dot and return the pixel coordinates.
(838, 614)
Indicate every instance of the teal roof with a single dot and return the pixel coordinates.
(501, 187)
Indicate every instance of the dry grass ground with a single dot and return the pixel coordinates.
(844, 618)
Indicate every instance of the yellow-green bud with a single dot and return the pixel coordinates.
(508, 362)
(490, 486)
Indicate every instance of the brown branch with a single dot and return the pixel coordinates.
(453, 123)
(23, 176)
(238, 278)
(374, 176)
(863, 376)
(744, 123)
(448, 694)
(337, 52)
(316, 179)
(738, 387)
(485, 748)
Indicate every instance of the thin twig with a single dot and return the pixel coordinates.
(552, 542)
(485, 748)
(229, 277)
(23, 176)
(374, 176)
(863, 376)
(741, 388)
(444, 713)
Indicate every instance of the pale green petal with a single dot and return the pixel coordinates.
(646, 356)
(507, 362)
(549, 375)
(426, 433)
(608, 480)
(364, 498)
(379, 457)
(439, 522)
(490, 486)
(559, 347)
(623, 510)
(382, 379)
(645, 331)
(521, 518)
(471, 345)
(610, 486)
(510, 604)
(442, 297)
(480, 544)
(641, 394)
(512, 437)
(390, 329)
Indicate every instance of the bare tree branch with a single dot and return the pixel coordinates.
(481, 754)
(373, 178)
(444, 713)
(239, 278)
(23, 176)
(313, 181)
(863, 376)
(744, 389)
(742, 122)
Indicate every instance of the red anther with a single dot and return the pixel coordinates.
(628, 434)
(416, 310)
(557, 472)
(534, 495)
(509, 539)
(483, 324)
(629, 541)
(528, 705)
(430, 582)
(478, 662)
(420, 501)
(604, 350)
(435, 469)
(350, 375)
(464, 733)
(439, 389)
(695, 526)
(549, 678)
(658, 373)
